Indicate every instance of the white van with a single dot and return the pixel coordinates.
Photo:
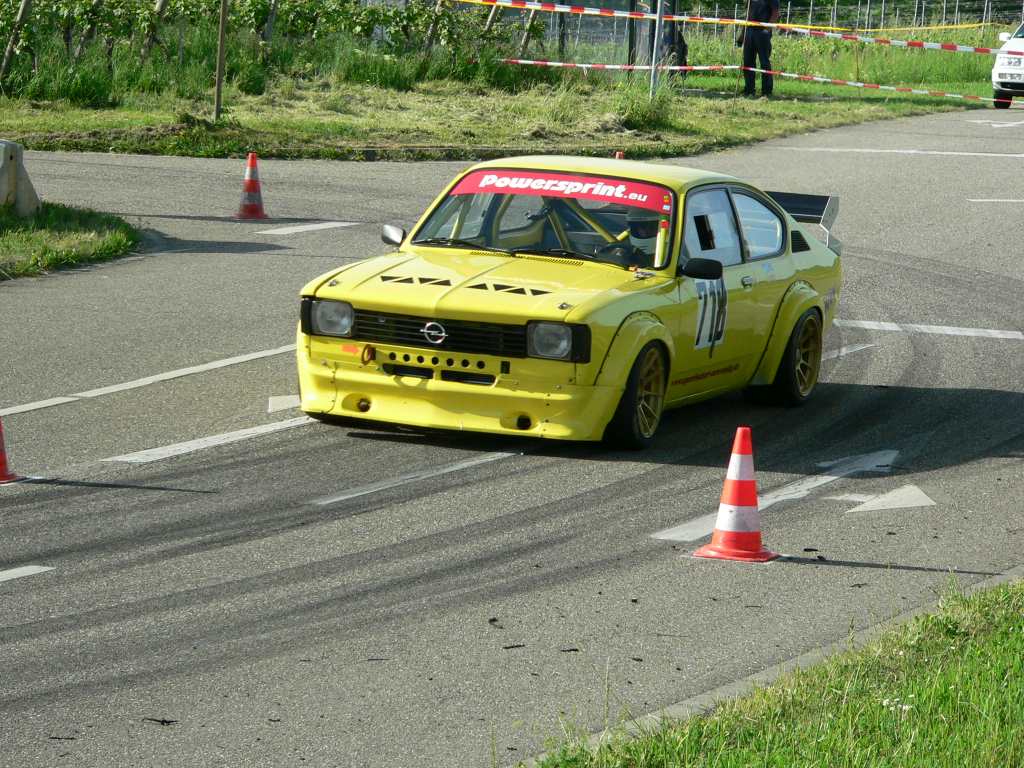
(1008, 71)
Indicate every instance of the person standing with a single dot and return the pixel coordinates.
(757, 45)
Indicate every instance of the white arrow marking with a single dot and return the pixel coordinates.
(282, 403)
(859, 498)
(25, 570)
(901, 498)
(880, 461)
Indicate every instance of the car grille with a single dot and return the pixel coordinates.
(463, 336)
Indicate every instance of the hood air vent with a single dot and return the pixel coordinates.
(800, 243)
(410, 280)
(501, 288)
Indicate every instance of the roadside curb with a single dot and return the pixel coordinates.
(704, 703)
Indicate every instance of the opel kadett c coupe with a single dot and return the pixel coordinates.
(575, 298)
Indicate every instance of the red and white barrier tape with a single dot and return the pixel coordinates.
(621, 67)
(798, 29)
(870, 86)
(737, 68)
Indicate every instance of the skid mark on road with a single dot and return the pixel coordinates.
(412, 477)
(147, 380)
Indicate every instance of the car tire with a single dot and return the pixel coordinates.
(643, 401)
(1005, 99)
(797, 376)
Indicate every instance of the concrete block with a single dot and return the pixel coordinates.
(15, 186)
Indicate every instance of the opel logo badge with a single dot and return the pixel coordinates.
(434, 333)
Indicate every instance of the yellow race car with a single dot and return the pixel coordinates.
(575, 298)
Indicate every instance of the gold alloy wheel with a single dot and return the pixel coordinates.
(650, 393)
(808, 355)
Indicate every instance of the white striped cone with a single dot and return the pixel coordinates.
(737, 534)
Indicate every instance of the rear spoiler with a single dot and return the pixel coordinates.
(812, 209)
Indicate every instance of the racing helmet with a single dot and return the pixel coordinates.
(643, 228)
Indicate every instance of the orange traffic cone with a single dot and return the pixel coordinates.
(620, 155)
(252, 198)
(737, 534)
(6, 476)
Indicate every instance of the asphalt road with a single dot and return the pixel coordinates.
(471, 596)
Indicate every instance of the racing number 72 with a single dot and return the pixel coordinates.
(713, 303)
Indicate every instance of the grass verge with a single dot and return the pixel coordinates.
(59, 236)
(944, 690)
(451, 120)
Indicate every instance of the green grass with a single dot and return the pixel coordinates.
(59, 236)
(943, 691)
(336, 98)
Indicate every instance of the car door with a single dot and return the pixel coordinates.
(769, 266)
(715, 342)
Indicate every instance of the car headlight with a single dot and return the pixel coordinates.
(328, 318)
(558, 341)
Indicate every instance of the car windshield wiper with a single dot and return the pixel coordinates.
(557, 252)
(460, 243)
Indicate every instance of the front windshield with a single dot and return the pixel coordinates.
(612, 220)
(1019, 32)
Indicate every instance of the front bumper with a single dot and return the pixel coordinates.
(525, 397)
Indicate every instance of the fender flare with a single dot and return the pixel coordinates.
(633, 333)
(798, 299)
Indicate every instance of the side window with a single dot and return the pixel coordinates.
(710, 231)
(762, 228)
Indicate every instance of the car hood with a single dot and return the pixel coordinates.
(474, 285)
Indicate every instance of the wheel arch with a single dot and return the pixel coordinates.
(800, 297)
(635, 331)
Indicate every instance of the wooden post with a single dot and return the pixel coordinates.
(656, 48)
(221, 55)
(789, 7)
(881, 18)
(631, 36)
(561, 36)
(268, 28)
(90, 29)
(19, 22)
(810, 13)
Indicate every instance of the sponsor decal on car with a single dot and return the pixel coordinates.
(539, 183)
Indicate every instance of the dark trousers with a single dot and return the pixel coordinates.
(757, 44)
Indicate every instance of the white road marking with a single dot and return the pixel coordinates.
(880, 461)
(308, 228)
(423, 474)
(36, 406)
(25, 570)
(190, 446)
(940, 153)
(992, 200)
(282, 403)
(146, 381)
(844, 351)
(945, 330)
(902, 498)
(998, 123)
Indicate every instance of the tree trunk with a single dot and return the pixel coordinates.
(268, 28)
(158, 12)
(526, 33)
(19, 22)
(90, 30)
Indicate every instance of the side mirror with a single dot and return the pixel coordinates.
(702, 269)
(1004, 37)
(392, 235)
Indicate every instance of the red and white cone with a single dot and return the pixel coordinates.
(6, 476)
(620, 155)
(252, 199)
(737, 534)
